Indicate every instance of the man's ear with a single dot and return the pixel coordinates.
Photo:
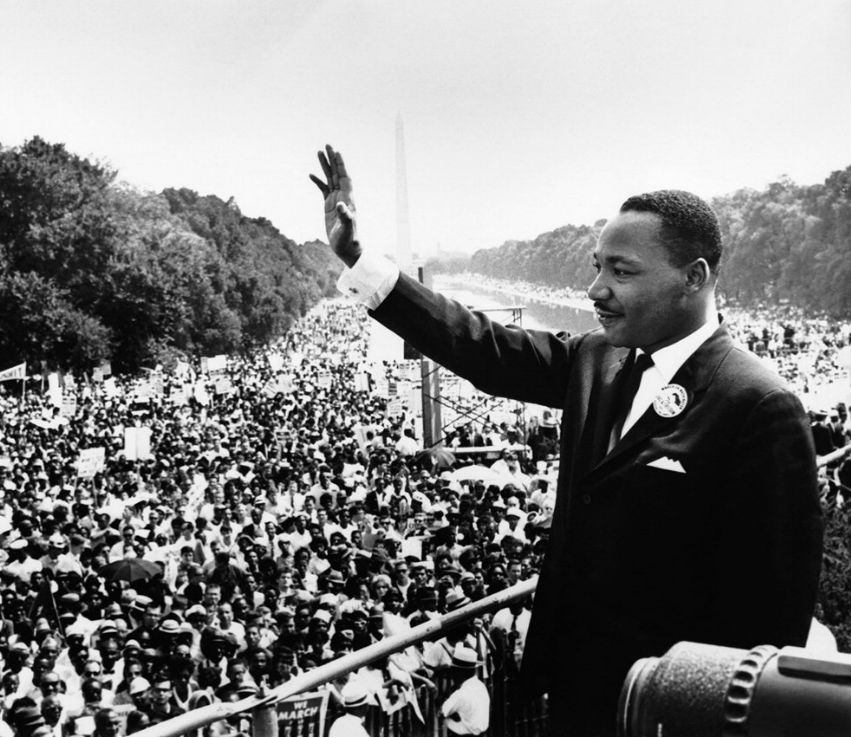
(697, 274)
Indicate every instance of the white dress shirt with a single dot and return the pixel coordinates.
(666, 363)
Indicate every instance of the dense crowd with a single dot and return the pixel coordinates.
(290, 515)
(286, 514)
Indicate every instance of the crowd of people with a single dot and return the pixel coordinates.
(286, 514)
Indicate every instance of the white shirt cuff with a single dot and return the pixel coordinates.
(370, 280)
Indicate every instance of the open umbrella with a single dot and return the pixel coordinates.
(436, 458)
(478, 473)
(129, 570)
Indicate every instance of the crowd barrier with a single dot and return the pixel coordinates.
(264, 709)
(511, 711)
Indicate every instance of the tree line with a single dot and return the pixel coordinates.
(787, 242)
(94, 271)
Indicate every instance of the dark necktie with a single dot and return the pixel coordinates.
(626, 395)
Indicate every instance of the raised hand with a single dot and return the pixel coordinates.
(339, 207)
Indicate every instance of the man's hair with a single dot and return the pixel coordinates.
(689, 226)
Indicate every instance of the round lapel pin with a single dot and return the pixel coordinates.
(671, 401)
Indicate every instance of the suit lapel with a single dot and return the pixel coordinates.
(694, 376)
(600, 407)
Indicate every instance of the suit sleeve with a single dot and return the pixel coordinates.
(771, 527)
(531, 366)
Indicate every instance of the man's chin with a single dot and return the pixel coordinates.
(613, 331)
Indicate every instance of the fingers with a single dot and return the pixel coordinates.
(324, 163)
(323, 188)
(334, 180)
(334, 169)
(341, 167)
(342, 174)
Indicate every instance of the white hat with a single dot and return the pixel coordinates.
(354, 694)
(464, 657)
(139, 685)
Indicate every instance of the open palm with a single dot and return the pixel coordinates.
(339, 206)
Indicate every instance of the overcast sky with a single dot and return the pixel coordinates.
(519, 116)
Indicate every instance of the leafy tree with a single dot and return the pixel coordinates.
(90, 269)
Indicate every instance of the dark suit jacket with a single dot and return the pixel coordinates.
(640, 557)
(822, 438)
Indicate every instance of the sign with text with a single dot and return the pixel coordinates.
(14, 372)
(68, 408)
(90, 462)
(303, 715)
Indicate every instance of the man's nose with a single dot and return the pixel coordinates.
(599, 290)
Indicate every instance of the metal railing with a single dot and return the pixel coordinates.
(262, 706)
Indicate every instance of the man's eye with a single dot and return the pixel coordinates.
(620, 272)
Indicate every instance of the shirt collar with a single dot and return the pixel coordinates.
(669, 359)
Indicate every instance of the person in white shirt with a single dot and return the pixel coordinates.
(407, 445)
(508, 466)
(467, 709)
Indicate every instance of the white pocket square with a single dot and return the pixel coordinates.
(667, 464)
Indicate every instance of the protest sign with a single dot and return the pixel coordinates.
(223, 386)
(68, 407)
(110, 388)
(54, 389)
(137, 443)
(142, 392)
(362, 382)
(412, 546)
(303, 715)
(90, 461)
(380, 388)
(213, 364)
(180, 395)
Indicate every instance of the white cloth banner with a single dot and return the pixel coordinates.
(14, 372)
